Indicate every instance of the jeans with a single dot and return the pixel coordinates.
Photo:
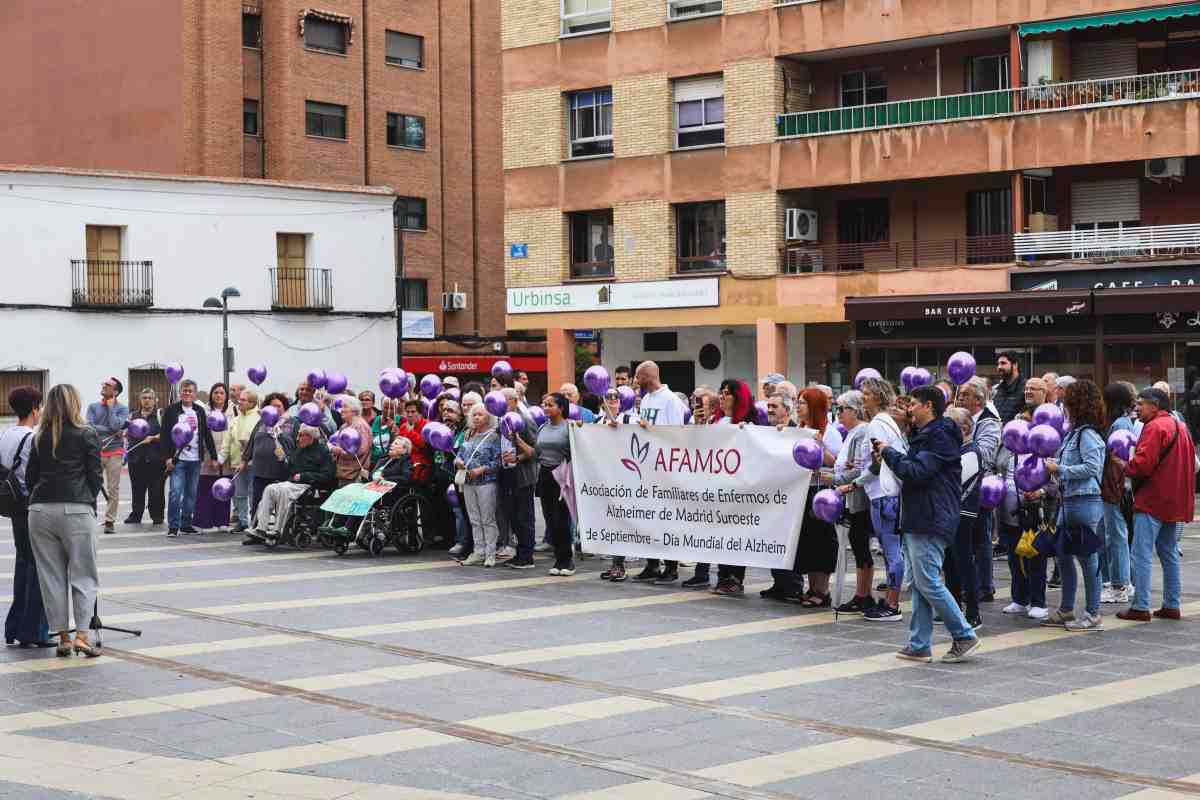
(1116, 545)
(930, 595)
(26, 620)
(1151, 534)
(1028, 574)
(983, 554)
(462, 530)
(184, 480)
(884, 515)
(1086, 511)
(243, 487)
(517, 507)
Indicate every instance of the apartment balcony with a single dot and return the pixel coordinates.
(876, 256)
(301, 289)
(1143, 243)
(112, 284)
(1039, 99)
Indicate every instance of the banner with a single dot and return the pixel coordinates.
(718, 494)
(356, 499)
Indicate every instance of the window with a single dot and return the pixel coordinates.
(410, 213)
(324, 119)
(291, 275)
(864, 88)
(405, 50)
(324, 34)
(405, 130)
(414, 294)
(251, 31)
(987, 73)
(700, 236)
(699, 112)
(21, 376)
(250, 117)
(591, 123)
(591, 244)
(586, 16)
(682, 9)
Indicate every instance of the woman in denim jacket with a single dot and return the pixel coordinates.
(479, 457)
(1079, 468)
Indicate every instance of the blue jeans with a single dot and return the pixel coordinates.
(1116, 545)
(182, 504)
(983, 553)
(1149, 535)
(26, 620)
(930, 595)
(1086, 511)
(463, 536)
(517, 506)
(243, 487)
(885, 512)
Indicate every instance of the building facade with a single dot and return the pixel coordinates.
(107, 273)
(731, 171)
(396, 93)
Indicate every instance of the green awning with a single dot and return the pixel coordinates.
(1116, 18)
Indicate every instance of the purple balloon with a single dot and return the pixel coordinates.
(808, 453)
(335, 382)
(1121, 444)
(182, 434)
(439, 436)
(1048, 414)
(1044, 440)
(349, 440)
(316, 378)
(310, 414)
(596, 379)
(222, 490)
(628, 397)
(920, 377)
(217, 421)
(496, 404)
(427, 407)
(138, 429)
(269, 416)
(906, 378)
(841, 429)
(512, 423)
(827, 505)
(991, 492)
(575, 413)
(961, 367)
(863, 374)
(452, 496)
(502, 369)
(1016, 436)
(1031, 474)
(257, 374)
(537, 415)
(338, 403)
(454, 394)
(687, 416)
(760, 413)
(392, 383)
(174, 372)
(431, 411)
(335, 439)
(431, 386)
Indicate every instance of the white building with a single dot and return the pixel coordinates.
(106, 274)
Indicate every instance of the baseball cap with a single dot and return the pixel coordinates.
(774, 378)
(450, 380)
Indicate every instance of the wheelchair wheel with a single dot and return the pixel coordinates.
(302, 540)
(339, 548)
(271, 542)
(376, 545)
(409, 517)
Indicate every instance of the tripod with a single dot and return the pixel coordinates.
(97, 625)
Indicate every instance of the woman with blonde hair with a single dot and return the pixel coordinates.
(64, 477)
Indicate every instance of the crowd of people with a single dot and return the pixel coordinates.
(909, 467)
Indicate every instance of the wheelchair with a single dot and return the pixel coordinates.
(303, 522)
(400, 519)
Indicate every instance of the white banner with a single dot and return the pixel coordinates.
(718, 494)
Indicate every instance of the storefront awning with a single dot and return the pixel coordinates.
(976, 304)
(1146, 300)
(1115, 18)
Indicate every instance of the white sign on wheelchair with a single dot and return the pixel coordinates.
(356, 499)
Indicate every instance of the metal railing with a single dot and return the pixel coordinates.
(301, 288)
(112, 284)
(871, 256)
(979, 105)
(1148, 241)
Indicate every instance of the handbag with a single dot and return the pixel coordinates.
(1039, 538)
(12, 499)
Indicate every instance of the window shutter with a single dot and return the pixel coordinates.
(404, 48)
(1113, 59)
(1106, 201)
(699, 88)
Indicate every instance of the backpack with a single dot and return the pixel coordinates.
(12, 499)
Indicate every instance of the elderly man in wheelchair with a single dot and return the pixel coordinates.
(311, 467)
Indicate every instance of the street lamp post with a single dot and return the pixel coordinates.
(223, 304)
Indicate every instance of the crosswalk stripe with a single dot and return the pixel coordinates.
(154, 566)
(169, 547)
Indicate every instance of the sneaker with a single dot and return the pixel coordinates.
(667, 578)
(883, 613)
(909, 654)
(882, 587)
(517, 563)
(1014, 608)
(730, 587)
(1106, 595)
(109, 528)
(489, 561)
(473, 560)
(1038, 612)
(552, 571)
(456, 550)
(188, 529)
(132, 520)
(617, 574)
(1058, 619)
(1086, 623)
(696, 582)
(987, 597)
(647, 575)
(961, 650)
(505, 553)
(976, 622)
(1055, 582)
(856, 605)
(173, 532)
(1118, 596)
(541, 548)
(567, 571)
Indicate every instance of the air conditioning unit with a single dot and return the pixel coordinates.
(1165, 168)
(454, 301)
(803, 260)
(800, 225)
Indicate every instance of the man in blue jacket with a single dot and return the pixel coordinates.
(930, 499)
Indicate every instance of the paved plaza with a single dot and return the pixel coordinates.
(271, 674)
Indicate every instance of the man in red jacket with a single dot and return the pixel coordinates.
(1165, 465)
(410, 428)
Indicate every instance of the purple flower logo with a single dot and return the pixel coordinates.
(639, 452)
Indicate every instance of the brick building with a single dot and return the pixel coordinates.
(396, 93)
(706, 182)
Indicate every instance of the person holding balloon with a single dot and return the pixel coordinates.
(351, 454)
(233, 445)
(1021, 507)
(410, 428)
(478, 461)
(853, 459)
(518, 476)
(309, 464)
(443, 482)
(190, 444)
(960, 562)
(1118, 402)
(210, 511)
(883, 491)
(273, 437)
(307, 393)
(108, 416)
(144, 456)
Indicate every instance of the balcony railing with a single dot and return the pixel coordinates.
(301, 289)
(1144, 242)
(980, 105)
(112, 284)
(871, 256)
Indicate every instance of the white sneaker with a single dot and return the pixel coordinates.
(490, 561)
(473, 560)
(1015, 608)
(456, 550)
(1106, 595)
(1086, 623)
(566, 572)
(1121, 595)
(1038, 613)
(552, 571)
(505, 553)
(541, 548)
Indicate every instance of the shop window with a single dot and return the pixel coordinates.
(591, 123)
(865, 87)
(591, 244)
(700, 237)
